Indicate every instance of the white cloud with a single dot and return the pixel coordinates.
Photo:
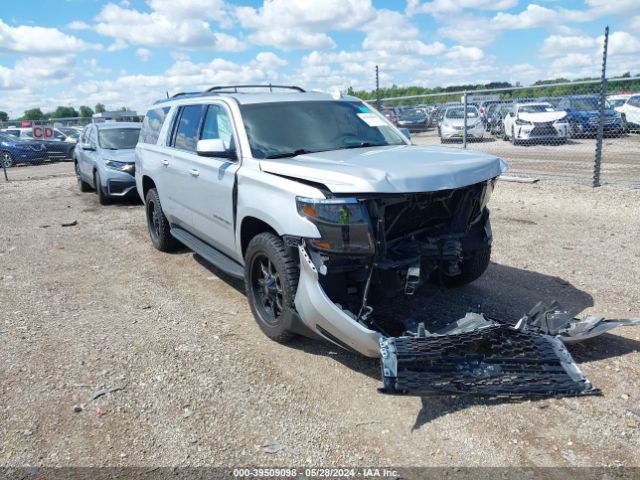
(291, 25)
(465, 54)
(170, 25)
(559, 45)
(533, 16)
(38, 40)
(78, 25)
(635, 23)
(143, 54)
(438, 7)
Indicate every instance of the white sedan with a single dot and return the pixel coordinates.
(535, 121)
(452, 124)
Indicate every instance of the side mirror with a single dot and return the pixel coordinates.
(405, 132)
(214, 147)
(511, 114)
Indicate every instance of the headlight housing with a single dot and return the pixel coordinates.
(522, 122)
(343, 224)
(120, 166)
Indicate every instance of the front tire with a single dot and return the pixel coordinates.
(6, 160)
(157, 223)
(84, 186)
(271, 280)
(514, 141)
(103, 198)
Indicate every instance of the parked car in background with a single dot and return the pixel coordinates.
(617, 101)
(535, 122)
(105, 159)
(452, 125)
(390, 115)
(14, 150)
(414, 120)
(72, 133)
(490, 108)
(497, 117)
(630, 110)
(58, 148)
(583, 116)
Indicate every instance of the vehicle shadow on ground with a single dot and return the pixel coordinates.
(503, 292)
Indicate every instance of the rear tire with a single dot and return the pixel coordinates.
(157, 223)
(6, 159)
(271, 280)
(471, 269)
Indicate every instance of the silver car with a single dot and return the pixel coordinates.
(330, 215)
(452, 125)
(104, 159)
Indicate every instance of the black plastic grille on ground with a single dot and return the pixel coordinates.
(496, 360)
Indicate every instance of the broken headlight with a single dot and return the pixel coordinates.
(343, 224)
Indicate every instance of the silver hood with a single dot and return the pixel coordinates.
(392, 169)
(123, 155)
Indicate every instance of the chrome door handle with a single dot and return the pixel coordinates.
(165, 162)
(194, 172)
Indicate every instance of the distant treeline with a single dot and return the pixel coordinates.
(551, 89)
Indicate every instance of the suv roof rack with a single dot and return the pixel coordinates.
(270, 87)
(229, 89)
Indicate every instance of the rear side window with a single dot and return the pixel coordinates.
(152, 125)
(186, 133)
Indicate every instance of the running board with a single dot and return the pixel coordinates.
(495, 359)
(209, 253)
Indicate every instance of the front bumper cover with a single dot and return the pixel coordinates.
(473, 355)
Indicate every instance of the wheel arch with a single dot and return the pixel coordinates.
(147, 184)
(250, 227)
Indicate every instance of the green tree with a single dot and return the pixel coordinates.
(4, 117)
(64, 112)
(33, 114)
(99, 108)
(85, 111)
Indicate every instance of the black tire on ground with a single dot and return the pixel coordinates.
(84, 186)
(6, 159)
(271, 280)
(157, 223)
(103, 198)
(471, 269)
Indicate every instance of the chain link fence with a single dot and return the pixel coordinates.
(552, 130)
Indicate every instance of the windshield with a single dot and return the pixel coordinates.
(118, 138)
(291, 128)
(70, 132)
(458, 112)
(590, 104)
(618, 102)
(535, 108)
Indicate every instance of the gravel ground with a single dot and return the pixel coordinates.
(94, 306)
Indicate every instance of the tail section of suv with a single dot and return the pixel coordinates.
(326, 211)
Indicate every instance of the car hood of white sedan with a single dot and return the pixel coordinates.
(390, 169)
(542, 116)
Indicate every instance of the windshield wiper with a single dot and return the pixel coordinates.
(365, 144)
(300, 151)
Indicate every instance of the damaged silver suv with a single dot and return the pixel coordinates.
(326, 210)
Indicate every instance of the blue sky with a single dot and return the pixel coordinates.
(128, 53)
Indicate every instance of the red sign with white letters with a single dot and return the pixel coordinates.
(42, 132)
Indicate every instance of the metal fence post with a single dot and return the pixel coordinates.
(377, 89)
(603, 91)
(464, 125)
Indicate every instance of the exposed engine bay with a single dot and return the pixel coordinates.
(375, 248)
(399, 242)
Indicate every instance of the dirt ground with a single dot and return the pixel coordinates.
(93, 306)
